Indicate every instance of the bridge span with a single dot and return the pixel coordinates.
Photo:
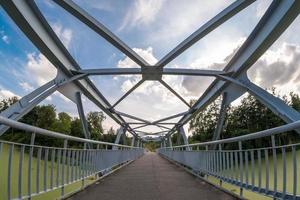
(86, 168)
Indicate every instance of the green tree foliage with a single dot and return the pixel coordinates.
(45, 116)
(151, 146)
(63, 123)
(5, 103)
(247, 117)
(95, 120)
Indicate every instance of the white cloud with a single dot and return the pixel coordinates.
(147, 54)
(4, 94)
(39, 69)
(142, 12)
(26, 86)
(96, 4)
(64, 34)
(180, 19)
(5, 39)
(67, 100)
(278, 68)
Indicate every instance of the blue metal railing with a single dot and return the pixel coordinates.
(43, 169)
(265, 171)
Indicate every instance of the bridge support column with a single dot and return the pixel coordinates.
(82, 116)
(181, 133)
(133, 141)
(164, 142)
(170, 141)
(120, 132)
(138, 143)
(220, 122)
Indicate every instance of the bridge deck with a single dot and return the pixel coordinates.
(150, 177)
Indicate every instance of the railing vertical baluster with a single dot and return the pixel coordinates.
(246, 169)
(236, 165)
(274, 164)
(259, 168)
(207, 163)
(90, 162)
(45, 168)
(97, 159)
(37, 180)
(21, 157)
(9, 172)
(210, 162)
(231, 166)
(58, 167)
(68, 165)
(241, 168)
(82, 164)
(252, 169)
(63, 168)
(294, 157)
(52, 168)
(267, 170)
(29, 164)
(215, 163)
(73, 163)
(80, 167)
(224, 164)
(284, 173)
(77, 165)
(227, 165)
(220, 163)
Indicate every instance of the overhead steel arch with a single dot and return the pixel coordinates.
(73, 81)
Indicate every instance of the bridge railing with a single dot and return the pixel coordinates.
(270, 171)
(28, 170)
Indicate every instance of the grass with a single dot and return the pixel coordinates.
(15, 176)
(77, 185)
(289, 175)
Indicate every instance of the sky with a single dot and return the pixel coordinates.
(152, 28)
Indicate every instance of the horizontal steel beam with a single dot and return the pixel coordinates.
(138, 71)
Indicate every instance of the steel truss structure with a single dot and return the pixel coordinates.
(73, 81)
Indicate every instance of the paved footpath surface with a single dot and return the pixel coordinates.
(151, 177)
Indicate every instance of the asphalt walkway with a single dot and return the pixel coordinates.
(151, 177)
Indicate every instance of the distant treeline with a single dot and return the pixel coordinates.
(248, 116)
(45, 116)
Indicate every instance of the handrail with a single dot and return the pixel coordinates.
(259, 134)
(41, 131)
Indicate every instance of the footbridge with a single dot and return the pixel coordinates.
(102, 170)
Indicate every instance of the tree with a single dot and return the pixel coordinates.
(248, 117)
(76, 128)
(63, 124)
(110, 136)
(95, 120)
(203, 124)
(5, 103)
